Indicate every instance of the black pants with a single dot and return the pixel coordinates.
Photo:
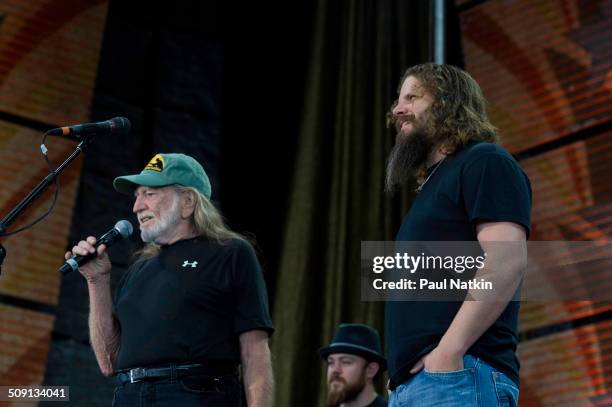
(200, 391)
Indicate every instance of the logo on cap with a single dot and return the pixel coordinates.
(156, 163)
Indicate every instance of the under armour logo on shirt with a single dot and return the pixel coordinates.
(188, 263)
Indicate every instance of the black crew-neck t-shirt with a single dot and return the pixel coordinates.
(378, 402)
(190, 303)
(480, 182)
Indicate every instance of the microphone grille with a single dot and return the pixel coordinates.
(120, 125)
(124, 227)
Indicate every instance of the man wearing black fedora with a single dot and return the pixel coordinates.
(354, 361)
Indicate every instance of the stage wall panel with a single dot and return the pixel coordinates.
(545, 66)
(49, 53)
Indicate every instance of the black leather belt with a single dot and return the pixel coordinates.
(140, 374)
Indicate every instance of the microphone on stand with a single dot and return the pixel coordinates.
(117, 125)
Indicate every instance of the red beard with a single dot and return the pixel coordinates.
(346, 392)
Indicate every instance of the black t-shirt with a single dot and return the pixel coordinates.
(190, 304)
(378, 402)
(482, 181)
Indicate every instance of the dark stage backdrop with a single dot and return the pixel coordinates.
(358, 54)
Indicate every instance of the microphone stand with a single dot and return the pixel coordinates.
(36, 192)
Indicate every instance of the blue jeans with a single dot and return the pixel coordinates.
(182, 392)
(477, 385)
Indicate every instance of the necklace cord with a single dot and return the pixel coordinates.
(420, 187)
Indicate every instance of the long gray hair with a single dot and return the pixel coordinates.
(206, 220)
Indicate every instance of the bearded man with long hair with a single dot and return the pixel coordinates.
(462, 352)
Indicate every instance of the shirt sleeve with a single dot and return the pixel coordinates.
(495, 188)
(251, 298)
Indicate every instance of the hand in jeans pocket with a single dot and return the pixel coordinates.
(439, 360)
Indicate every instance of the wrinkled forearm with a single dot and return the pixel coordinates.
(103, 328)
(257, 373)
(259, 382)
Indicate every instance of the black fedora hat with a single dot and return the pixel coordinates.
(356, 339)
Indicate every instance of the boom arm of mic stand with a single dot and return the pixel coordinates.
(35, 193)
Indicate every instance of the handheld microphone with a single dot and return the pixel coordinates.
(122, 229)
(117, 125)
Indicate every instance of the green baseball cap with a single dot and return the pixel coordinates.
(167, 169)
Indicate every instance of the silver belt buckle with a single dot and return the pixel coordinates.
(137, 374)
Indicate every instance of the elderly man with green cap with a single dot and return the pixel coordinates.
(192, 310)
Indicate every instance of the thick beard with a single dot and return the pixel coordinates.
(348, 392)
(408, 155)
(166, 221)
